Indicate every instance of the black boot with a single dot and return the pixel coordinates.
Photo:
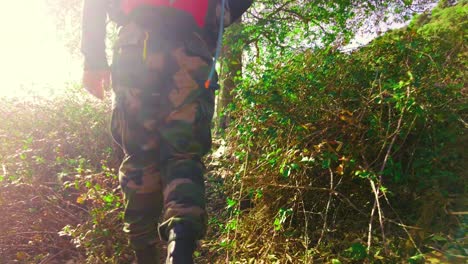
(181, 246)
(148, 255)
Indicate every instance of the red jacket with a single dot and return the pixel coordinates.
(198, 9)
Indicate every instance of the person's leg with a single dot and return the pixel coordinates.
(185, 139)
(167, 115)
(136, 111)
(141, 187)
(184, 209)
(182, 176)
(140, 181)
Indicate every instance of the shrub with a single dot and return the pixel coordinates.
(333, 149)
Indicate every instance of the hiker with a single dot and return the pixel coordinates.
(162, 110)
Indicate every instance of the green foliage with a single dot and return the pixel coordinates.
(446, 22)
(49, 134)
(283, 214)
(314, 128)
(64, 142)
(357, 251)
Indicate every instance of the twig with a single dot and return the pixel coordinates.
(4, 170)
(28, 233)
(380, 212)
(65, 201)
(49, 258)
(341, 196)
(369, 235)
(376, 190)
(346, 199)
(239, 199)
(458, 213)
(300, 187)
(330, 197)
(405, 228)
(306, 234)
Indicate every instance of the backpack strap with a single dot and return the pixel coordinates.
(219, 44)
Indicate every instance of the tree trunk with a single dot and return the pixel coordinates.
(231, 68)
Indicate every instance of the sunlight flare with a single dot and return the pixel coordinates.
(33, 57)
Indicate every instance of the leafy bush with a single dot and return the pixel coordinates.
(60, 151)
(340, 151)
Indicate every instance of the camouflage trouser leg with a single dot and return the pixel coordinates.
(161, 119)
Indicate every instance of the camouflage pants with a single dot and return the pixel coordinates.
(161, 119)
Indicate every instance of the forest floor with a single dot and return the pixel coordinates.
(35, 214)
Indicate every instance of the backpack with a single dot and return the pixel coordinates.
(198, 9)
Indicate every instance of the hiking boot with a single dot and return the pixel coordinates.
(181, 246)
(148, 255)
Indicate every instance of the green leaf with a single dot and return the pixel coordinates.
(108, 198)
(438, 238)
(326, 164)
(277, 224)
(231, 203)
(308, 160)
(357, 251)
(285, 171)
(408, 2)
(416, 259)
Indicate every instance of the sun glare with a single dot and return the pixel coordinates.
(32, 56)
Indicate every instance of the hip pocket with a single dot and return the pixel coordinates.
(128, 66)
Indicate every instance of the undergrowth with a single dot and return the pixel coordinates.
(58, 182)
(353, 157)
